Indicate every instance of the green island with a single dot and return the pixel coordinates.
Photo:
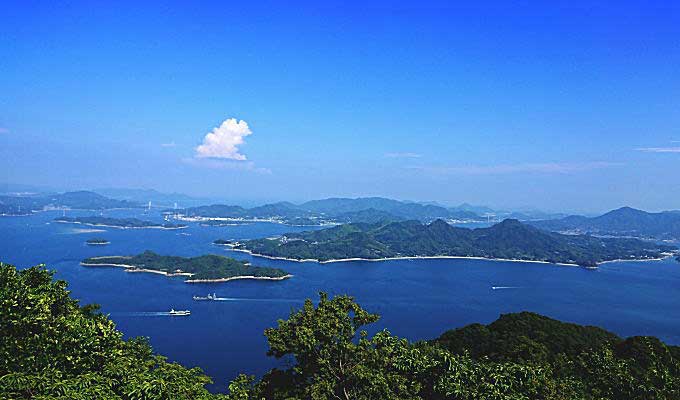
(224, 242)
(508, 240)
(97, 242)
(127, 223)
(64, 350)
(206, 268)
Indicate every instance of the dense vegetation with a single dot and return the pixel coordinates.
(203, 267)
(624, 221)
(20, 205)
(520, 356)
(117, 222)
(52, 348)
(509, 239)
(335, 210)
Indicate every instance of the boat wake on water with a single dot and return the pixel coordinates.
(505, 287)
(214, 297)
(149, 313)
(250, 299)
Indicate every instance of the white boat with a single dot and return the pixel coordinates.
(208, 297)
(179, 312)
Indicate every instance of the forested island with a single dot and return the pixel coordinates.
(97, 242)
(69, 351)
(508, 240)
(124, 223)
(206, 268)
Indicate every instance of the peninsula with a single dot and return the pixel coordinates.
(206, 268)
(122, 223)
(508, 240)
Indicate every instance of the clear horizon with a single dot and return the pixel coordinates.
(568, 107)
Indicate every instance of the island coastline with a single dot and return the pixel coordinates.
(206, 268)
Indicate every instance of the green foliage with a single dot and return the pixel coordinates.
(519, 357)
(509, 239)
(51, 348)
(525, 337)
(592, 362)
(203, 267)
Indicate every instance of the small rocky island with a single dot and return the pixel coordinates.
(97, 242)
(122, 223)
(206, 268)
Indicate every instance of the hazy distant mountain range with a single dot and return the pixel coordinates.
(150, 195)
(624, 221)
(85, 200)
(509, 239)
(316, 212)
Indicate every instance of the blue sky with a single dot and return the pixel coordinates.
(571, 106)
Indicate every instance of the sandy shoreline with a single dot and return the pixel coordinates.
(135, 269)
(440, 258)
(233, 278)
(401, 258)
(636, 260)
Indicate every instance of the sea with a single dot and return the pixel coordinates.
(417, 299)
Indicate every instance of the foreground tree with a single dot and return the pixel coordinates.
(52, 348)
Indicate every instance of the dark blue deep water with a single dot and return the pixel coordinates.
(417, 299)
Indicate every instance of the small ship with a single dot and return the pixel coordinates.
(179, 312)
(208, 297)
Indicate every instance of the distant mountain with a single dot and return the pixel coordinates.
(370, 216)
(509, 239)
(155, 197)
(474, 209)
(283, 209)
(400, 209)
(89, 201)
(86, 200)
(625, 221)
(12, 189)
(215, 211)
(339, 210)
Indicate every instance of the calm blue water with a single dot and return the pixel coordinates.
(417, 299)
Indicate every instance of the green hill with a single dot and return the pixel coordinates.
(53, 348)
(509, 239)
(624, 221)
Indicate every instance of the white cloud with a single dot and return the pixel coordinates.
(170, 144)
(659, 149)
(223, 141)
(559, 168)
(403, 155)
